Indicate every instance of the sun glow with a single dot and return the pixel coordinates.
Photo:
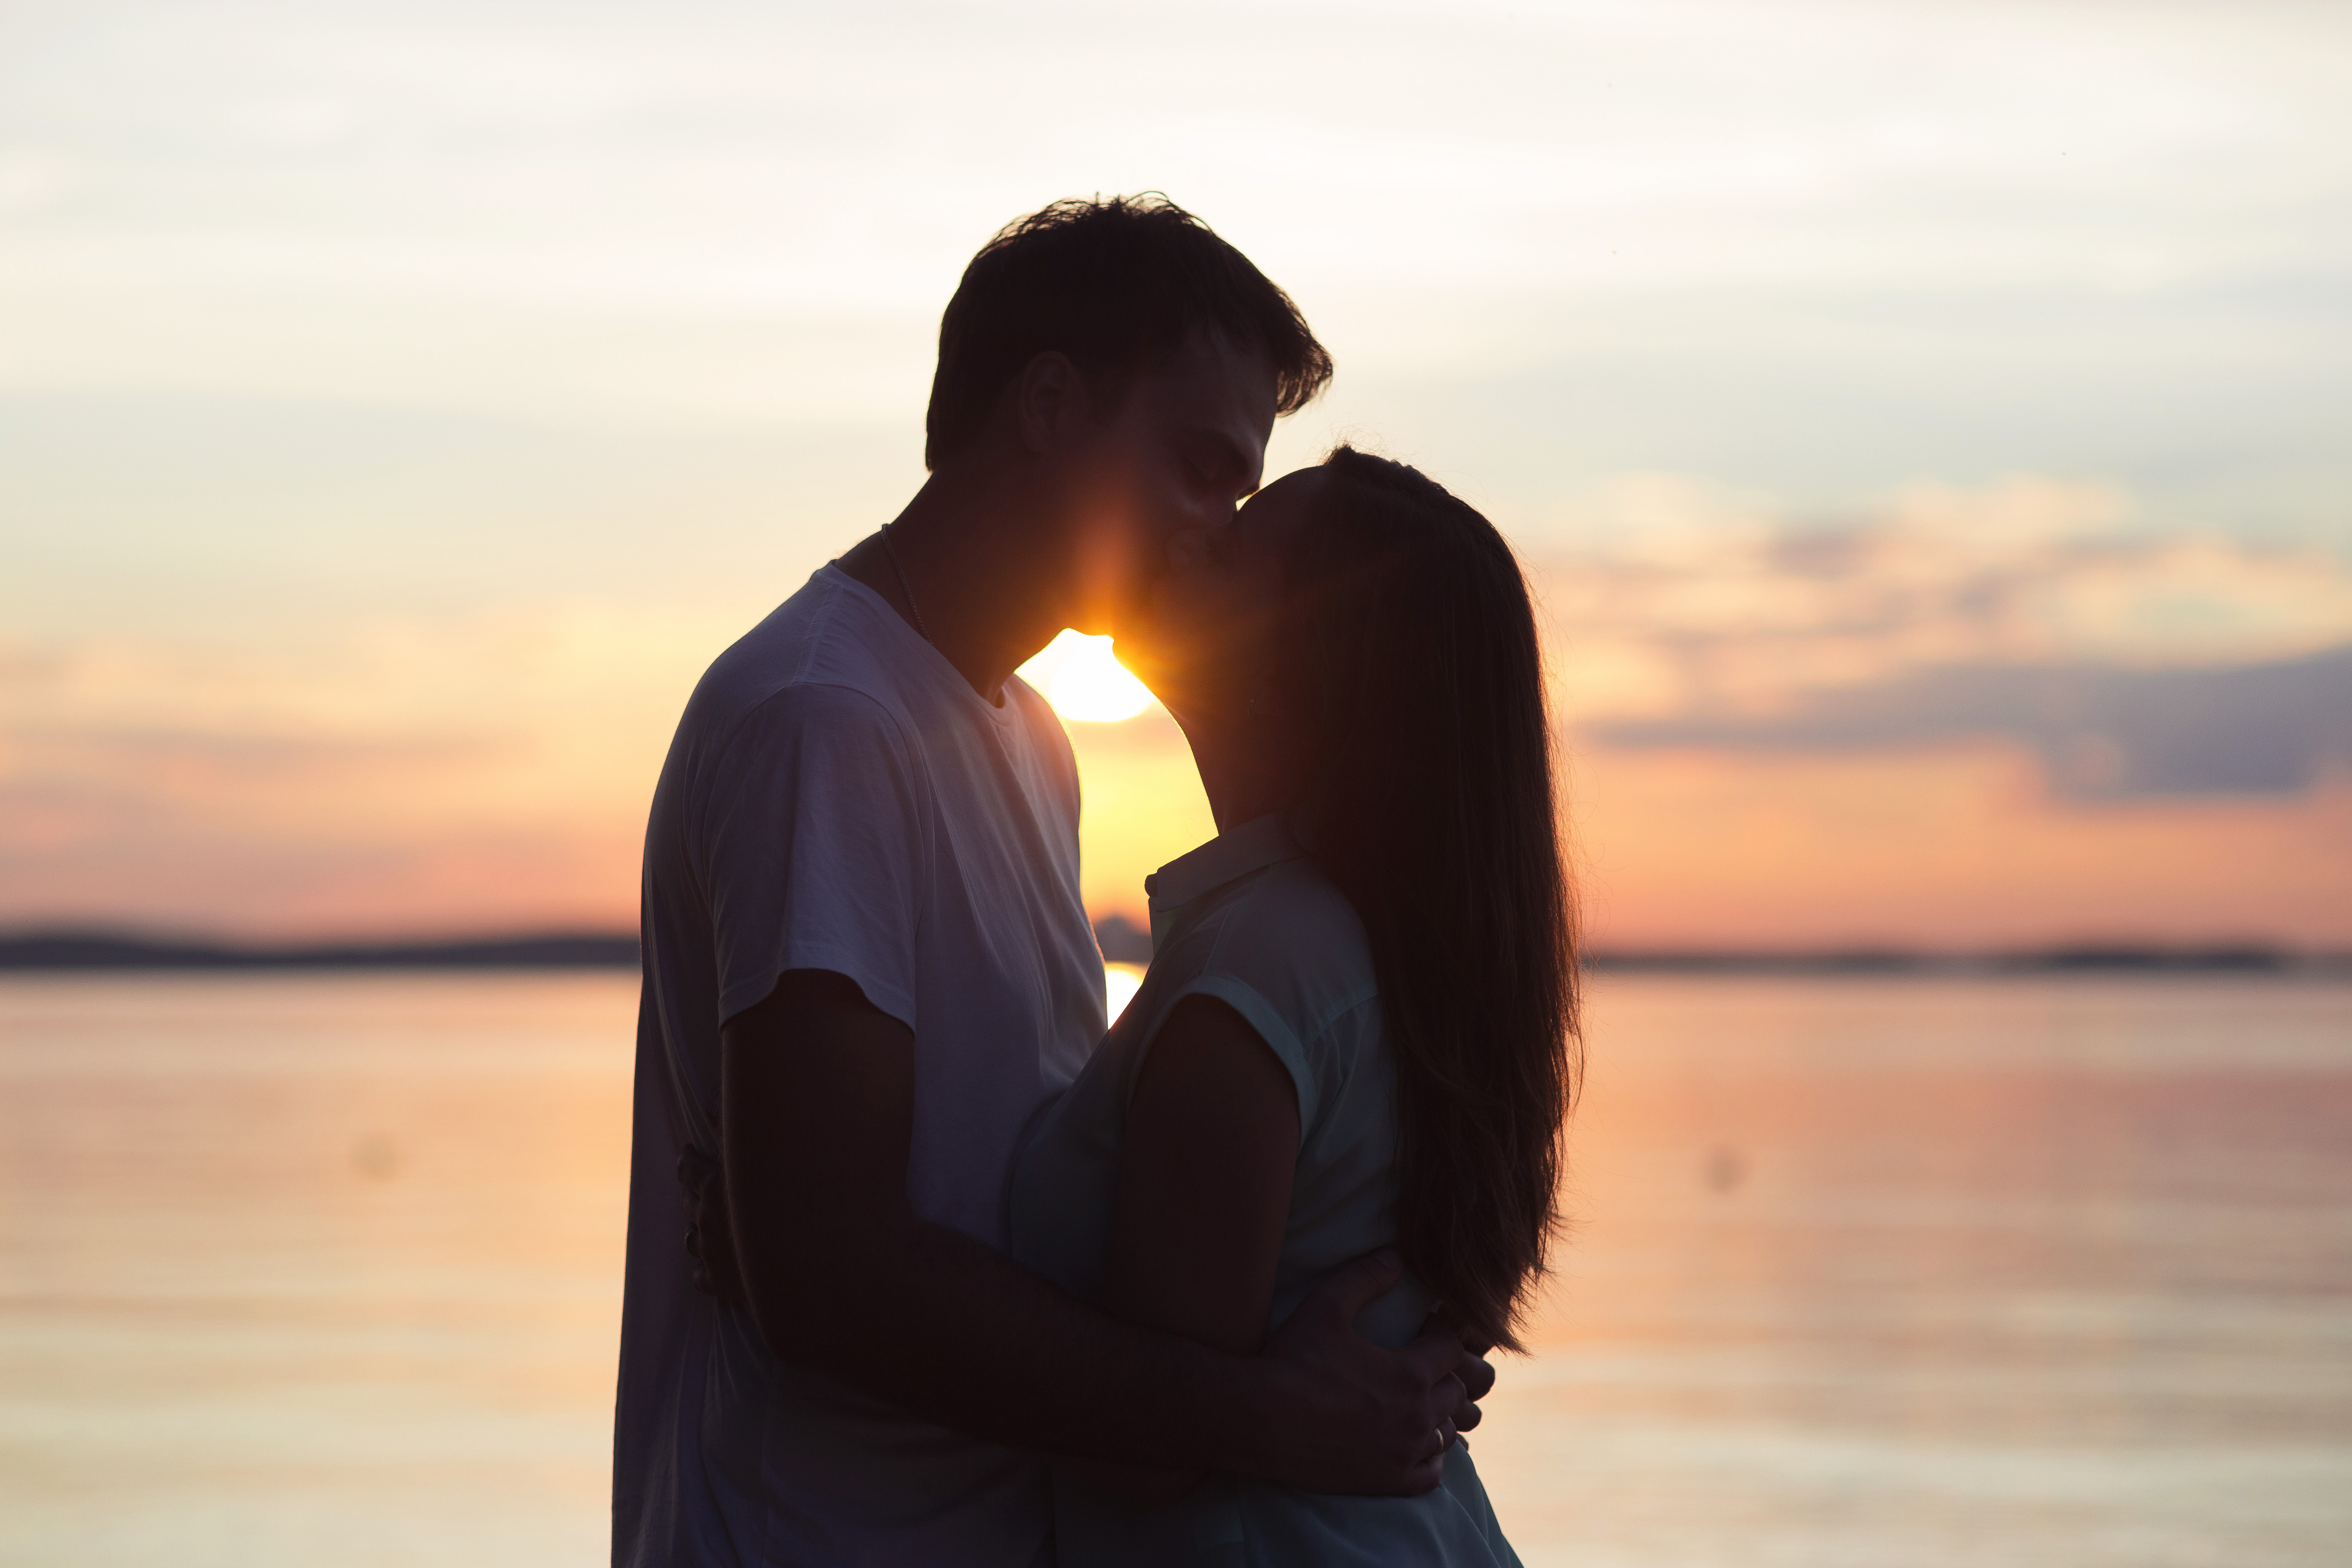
(1120, 982)
(1079, 676)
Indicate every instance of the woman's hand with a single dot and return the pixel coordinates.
(1348, 1416)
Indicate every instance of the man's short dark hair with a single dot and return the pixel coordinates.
(1118, 285)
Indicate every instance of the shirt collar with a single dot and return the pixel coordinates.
(1227, 858)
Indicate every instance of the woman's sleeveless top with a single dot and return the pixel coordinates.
(1248, 919)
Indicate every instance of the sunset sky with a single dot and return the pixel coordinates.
(1928, 423)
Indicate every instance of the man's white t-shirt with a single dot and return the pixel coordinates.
(838, 797)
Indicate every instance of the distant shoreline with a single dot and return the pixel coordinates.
(91, 952)
(88, 951)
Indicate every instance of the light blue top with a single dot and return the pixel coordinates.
(1247, 918)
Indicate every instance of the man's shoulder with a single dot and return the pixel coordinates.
(1044, 730)
(813, 660)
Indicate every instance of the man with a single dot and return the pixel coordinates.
(866, 966)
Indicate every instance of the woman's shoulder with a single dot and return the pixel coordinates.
(1297, 891)
(1291, 936)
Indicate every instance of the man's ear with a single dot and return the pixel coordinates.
(1049, 397)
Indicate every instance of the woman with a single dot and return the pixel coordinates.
(1358, 1029)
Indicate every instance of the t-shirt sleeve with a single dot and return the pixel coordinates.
(811, 841)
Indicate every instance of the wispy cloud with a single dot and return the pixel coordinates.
(478, 771)
(2132, 664)
(2101, 733)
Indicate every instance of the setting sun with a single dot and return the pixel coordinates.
(1080, 676)
(1120, 982)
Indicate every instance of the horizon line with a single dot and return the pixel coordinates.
(94, 948)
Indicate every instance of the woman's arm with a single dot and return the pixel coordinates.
(1204, 1173)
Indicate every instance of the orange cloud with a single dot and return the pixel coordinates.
(479, 772)
(1951, 847)
(1754, 755)
(1695, 601)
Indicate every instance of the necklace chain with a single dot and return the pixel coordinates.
(913, 609)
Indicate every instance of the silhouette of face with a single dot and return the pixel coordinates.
(1212, 648)
(1175, 456)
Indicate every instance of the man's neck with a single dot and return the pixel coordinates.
(966, 566)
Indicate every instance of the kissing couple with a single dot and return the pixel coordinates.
(968, 1281)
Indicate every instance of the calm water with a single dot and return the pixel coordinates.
(325, 1271)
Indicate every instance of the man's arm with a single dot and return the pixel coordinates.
(817, 1112)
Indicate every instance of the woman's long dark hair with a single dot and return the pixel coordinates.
(1431, 806)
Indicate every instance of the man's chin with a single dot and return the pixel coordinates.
(1142, 657)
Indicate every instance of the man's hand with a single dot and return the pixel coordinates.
(1348, 1415)
(1477, 1375)
(709, 1235)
